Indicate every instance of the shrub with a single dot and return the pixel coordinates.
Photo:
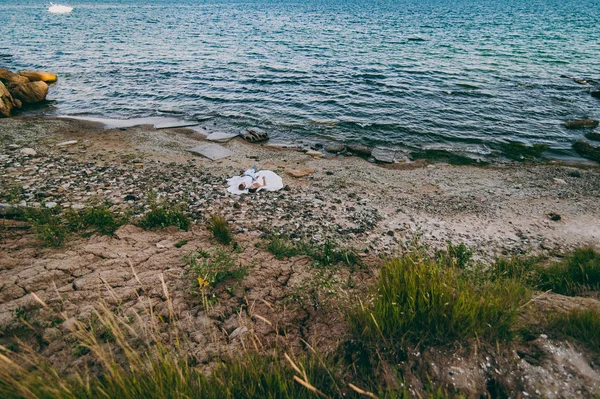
(455, 255)
(581, 325)
(219, 228)
(163, 216)
(420, 300)
(48, 225)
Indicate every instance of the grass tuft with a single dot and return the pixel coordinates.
(48, 225)
(521, 152)
(421, 300)
(581, 325)
(219, 227)
(209, 270)
(163, 216)
(328, 254)
(99, 219)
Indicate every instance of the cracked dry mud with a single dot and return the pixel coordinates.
(377, 210)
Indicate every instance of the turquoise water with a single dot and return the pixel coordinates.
(462, 75)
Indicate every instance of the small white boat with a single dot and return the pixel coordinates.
(59, 9)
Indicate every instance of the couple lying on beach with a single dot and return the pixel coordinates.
(252, 181)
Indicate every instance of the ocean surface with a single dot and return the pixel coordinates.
(454, 74)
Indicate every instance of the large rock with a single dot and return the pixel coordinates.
(360, 149)
(36, 76)
(7, 77)
(596, 94)
(6, 101)
(30, 92)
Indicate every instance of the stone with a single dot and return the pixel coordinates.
(211, 151)
(220, 137)
(300, 172)
(66, 143)
(173, 125)
(554, 217)
(582, 124)
(595, 94)
(50, 205)
(360, 149)
(36, 76)
(30, 92)
(8, 77)
(13, 147)
(6, 101)
(255, 135)
(28, 151)
(51, 334)
(559, 181)
(335, 148)
(384, 155)
(314, 154)
(238, 332)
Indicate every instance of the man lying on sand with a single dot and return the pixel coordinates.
(252, 181)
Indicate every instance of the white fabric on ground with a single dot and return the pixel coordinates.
(273, 180)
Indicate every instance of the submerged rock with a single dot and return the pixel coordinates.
(255, 134)
(360, 149)
(36, 76)
(596, 94)
(582, 124)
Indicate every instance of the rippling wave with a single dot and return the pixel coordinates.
(456, 74)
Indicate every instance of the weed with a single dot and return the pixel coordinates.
(586, 150)
(282, 247)
(11, 194)
(420, 300)
(163, 216)
(446, 156)
(455, 255)
(99, 219)
(210, 271)
(181, 243)
(582, 325)
(220, 229)
(48, 226)
(328, 254)
(521, 152)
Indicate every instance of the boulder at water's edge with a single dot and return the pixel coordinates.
(30, 92)
(7, 77)
(36, 76)
(6, 101)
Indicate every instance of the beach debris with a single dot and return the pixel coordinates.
(335, 148)
(213, 152)
(302, 172)
(29, 152)
(35, 76)
(220, 137)
(555, 217)
(314, 154)
(582, 124)
(255, 135)
(581, 81)
(176, 124)
(66, 143)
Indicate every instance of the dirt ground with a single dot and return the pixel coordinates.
(376, 209)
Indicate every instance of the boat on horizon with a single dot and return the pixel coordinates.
(59, 9)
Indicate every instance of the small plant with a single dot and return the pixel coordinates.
(99, 219)
(328, 254)
(220, 229)
(578, 272)
(455, 255)
(209, 271)
(521, 152)
(48, 226)
(163, 216)
(181, 243)
(582, 325)
(282, 247)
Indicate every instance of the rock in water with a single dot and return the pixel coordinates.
(6, 101)
(360, 149)
(582, 124)
(596, 94)
(335, 148)
(7, 77)
(30, 92)
(255, 134)
(36, 76)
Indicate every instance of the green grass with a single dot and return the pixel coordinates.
(220, 229)
(48, 225)
(445, 156)
(98, 219)
(521, 152)
(573, 275)
(586, 150)
(328, 254)
(455, 255)
(423, 300)
(163, 216)
(209, 270)
(581, 325)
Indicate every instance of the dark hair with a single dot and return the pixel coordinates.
(253, 190)
(242, 186)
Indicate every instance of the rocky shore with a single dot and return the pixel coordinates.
(540, 209)
(22, 88)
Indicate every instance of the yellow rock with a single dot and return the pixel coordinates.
(36, 76)
(300, 172)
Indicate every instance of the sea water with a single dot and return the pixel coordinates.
(455, 74)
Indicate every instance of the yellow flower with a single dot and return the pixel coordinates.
(202, 283)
